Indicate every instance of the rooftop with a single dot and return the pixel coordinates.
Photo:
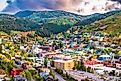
(63, 61)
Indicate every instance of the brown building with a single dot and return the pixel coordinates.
(64, 64)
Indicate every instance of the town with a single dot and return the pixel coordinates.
(60, 40)
(68, 56)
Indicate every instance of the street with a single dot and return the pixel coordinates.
(78, 75)
(59, 77)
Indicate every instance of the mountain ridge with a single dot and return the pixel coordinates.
(49, 22)
(110, 25)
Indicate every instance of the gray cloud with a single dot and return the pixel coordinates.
(39, 4)
(117, 1)
(68, 5)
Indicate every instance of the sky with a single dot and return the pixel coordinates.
(3, 4)
(83, 7)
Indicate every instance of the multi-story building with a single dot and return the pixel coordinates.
(64, 64)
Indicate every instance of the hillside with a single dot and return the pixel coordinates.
(43, 16)
(95, 17)
(110, 25)
(10, 22)
(55, 26)
(46, 23)
(46, 14)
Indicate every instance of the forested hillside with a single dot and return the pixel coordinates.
(10, 22)
(110, 25)
(45, 23)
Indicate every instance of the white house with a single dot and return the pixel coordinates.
(40, 60)
(104, 57)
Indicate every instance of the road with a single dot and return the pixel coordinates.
(59, 77)
(90, 75)
(76, 75)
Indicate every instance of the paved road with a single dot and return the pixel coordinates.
(76, 74)
(60, 78)
(90, 75)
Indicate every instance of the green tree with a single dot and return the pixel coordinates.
(80, 65)
(45, 61)
(52, 62)
(83, 68)
(38, 78)
(27, 75)
(52, 73)
(60, 71)
(0, 48)
(33, 72)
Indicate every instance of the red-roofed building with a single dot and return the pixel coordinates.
(24, 34)
(16, 71)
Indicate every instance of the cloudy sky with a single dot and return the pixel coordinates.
(3, 4)
(83, 7)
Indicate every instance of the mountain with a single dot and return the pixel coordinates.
(45, 23)
(57, 25)
(53, 26)
(46, 14)
(110, 25)
(43, 16)
(95, 17)
(10, 22)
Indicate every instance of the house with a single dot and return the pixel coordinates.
(37, 50)
(36, 64)
(32, 58)
(26, 65)
(2, 75)
(64, 64)
(46, 76)
(93, 62)
(104, 57)
(46, 70)
(51, 54)
(118, 66)
(108, 69)
(0, 41)
(24, 34)
(47, 48)
(40, 60)
(118, 72)
(16, 71)
(19, 78)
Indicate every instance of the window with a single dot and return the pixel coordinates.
(69, 65)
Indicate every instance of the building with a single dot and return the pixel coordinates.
(64, 64)
(40, 60)
(118, 66)
(19, 78)
(16, 71)
(2, 75)
(104, 57)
